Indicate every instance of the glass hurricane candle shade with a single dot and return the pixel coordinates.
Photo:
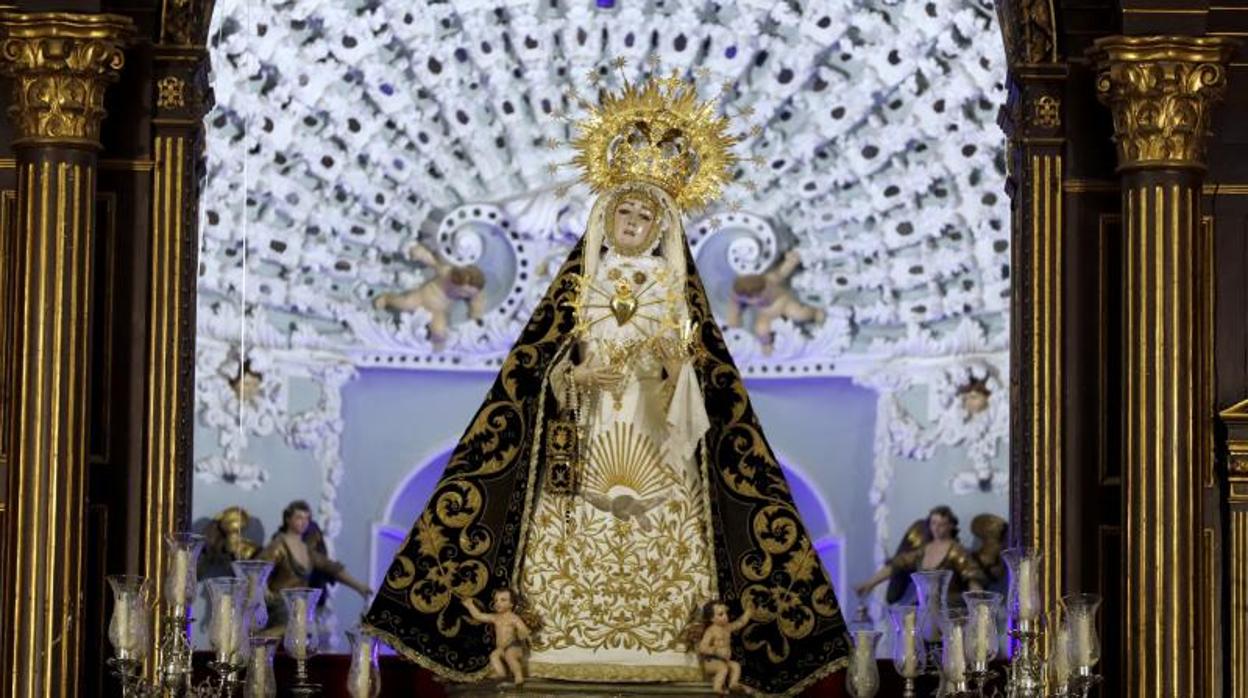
(983, 631)
(933, 590)
(182, 555)
(227, 627)
(301, 639)
(1059, 659)
(364, 678)
(909, 657)
(1083, 645)
(256, 573)
(863, 678)
(129, 629)
(953, 636)
(1023, 604)
(261, 682)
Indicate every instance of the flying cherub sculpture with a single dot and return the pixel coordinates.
(450, 284)
(770, 297)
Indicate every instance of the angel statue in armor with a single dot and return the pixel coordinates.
(616, 475)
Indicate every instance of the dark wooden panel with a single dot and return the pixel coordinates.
(1090, 131)
(1231, 297)
(126, 132)
(102, 322)
(1110, 586)
(1092, 492)
(8, 233)
(96, 649)
(1110, 386)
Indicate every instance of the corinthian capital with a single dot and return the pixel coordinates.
(1161, 90)
(60, 65)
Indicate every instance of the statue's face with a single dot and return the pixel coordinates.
(632, 223)
(298, 522)
(941, 526)
(502, 601)
(719, 614)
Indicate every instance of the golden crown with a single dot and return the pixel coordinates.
(657, 132)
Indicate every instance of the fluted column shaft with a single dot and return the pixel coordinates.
(60, 65)
(1161, 91)
(1033, 121)
(177, 136)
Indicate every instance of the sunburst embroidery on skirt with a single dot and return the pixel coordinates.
(625, 457)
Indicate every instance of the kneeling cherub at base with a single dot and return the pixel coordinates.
(715, 648)
(510, 634)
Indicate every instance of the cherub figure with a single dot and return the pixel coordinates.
(715, 648)
(771, 298)
(451, 284)
(510, 633)
(974, 397)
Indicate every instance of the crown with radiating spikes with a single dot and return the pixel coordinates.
(657, 132)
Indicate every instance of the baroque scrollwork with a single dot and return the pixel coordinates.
(1046, 112)
(1161, 91)
(1028, 29)
(185, 22)
(60, 65)
(171, 92)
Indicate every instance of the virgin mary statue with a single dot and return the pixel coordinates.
(616, 478)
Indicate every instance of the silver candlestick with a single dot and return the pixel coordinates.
(1026, 666)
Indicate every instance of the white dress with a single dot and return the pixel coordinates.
(617, 572)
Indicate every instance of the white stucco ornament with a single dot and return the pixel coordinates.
(343, 133)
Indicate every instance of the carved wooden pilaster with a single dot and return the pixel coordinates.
(181, 98)
(60, 65)
(1033, 121)
(1161, 91)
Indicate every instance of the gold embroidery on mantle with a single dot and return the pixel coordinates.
(602, 583)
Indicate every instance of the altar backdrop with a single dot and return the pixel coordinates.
(345, 133)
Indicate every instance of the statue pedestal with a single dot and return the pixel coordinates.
(545, 687)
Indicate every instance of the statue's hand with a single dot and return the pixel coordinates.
(599, 376)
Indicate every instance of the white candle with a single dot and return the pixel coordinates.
(299, 627)
(225, 635)
(1060, 660)
(124, 624)
(955, 655)
(178, 579)
(863, 654)
(1026, 588)
(909, 658)
(257, 673)
(983, 633)
(864, 662)
(1081, 626)
(361, 681)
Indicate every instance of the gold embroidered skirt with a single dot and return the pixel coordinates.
(618, 572)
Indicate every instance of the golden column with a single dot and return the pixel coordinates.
(60, 65)
(1161, 91)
